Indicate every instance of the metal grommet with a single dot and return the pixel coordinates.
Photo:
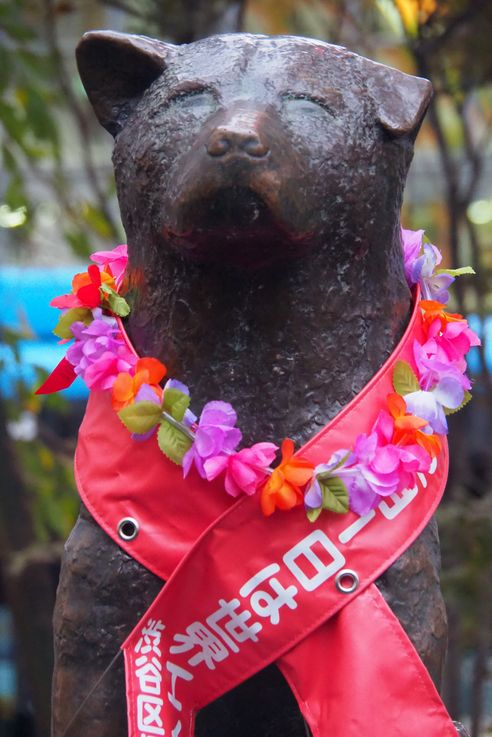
(128, 528)
(346, 581)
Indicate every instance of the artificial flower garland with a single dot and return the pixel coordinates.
(404, 439)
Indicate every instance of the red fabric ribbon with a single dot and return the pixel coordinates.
(243, 590)
(62, 376)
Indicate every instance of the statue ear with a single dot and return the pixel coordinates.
(116, 69)
(401, 99)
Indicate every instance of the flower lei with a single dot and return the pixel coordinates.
(404, 439)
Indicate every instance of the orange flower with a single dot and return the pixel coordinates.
(125, 388)
(433, 310)
(408, 427)
(282, 488)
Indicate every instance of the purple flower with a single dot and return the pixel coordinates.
(92, 341)
(412, 245)
(433, 286)
(216, 435)
(421, 260)
(99, 351)
(429, 405)
(374, 475)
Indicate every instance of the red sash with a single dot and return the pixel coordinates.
(244, 591)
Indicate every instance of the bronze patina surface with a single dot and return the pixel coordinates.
(260, 183)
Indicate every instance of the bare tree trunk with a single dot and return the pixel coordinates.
(30, 572)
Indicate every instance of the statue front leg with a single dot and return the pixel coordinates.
(101, 596)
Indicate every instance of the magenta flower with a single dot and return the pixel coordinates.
(434, 362)
(245, 470)
(102, 374)
(116, 259)
(453, 341)
(216, 434)
(380, 471)
(377, 468)
(384, 428)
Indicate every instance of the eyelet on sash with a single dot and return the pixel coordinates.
(347, 581)
(128, 528)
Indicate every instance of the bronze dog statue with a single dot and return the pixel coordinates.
(260, 182)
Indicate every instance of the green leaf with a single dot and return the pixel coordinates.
(313, 514)
(465, 401)
(119, 306)
(173, 442)
(404, 379)
(329, 474)
(176, 403)
(64, 324)
(335, 495)
(140, 417)
(457, 272)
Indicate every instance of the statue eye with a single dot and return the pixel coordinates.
(306, 105)
(196, 100)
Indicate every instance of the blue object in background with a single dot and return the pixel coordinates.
(25, 294)
(8, 676)
(473, 359)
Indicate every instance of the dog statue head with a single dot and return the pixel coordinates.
(247, 150)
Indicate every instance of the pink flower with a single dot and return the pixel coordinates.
(116, 259)
(102, 374)
(245, 470)
(66, 301)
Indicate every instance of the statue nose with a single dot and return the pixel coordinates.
(227, 139)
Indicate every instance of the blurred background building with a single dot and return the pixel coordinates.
(57, 204)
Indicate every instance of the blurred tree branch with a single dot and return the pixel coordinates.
(183, 21)
(79, 114)
(439, 43)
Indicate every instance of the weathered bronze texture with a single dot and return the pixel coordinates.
(260, 183)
